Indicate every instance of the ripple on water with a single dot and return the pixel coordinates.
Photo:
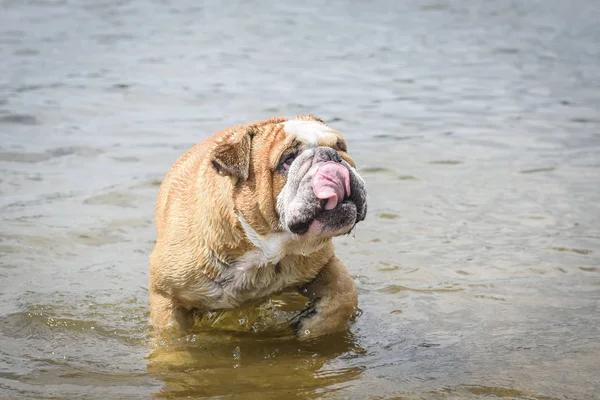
(95, 238)
(152, 183)
(120, 199)
(126, 159)
(572, 250)
(493, 392)
(389, 215)
(375, 170)
(386, 267)
(32, 88)
(397, 138)
(406, 178)
(19, 119)
(393, 289)
(36, 157)
(122, 319)
(43, 199)
(535, 170)
(445, 162)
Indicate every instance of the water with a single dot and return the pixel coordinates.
(476, 126)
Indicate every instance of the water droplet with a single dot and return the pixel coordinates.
(236, 353)
(307, 332)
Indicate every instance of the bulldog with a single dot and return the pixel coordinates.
(250, 212)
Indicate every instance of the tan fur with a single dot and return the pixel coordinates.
(199, 233)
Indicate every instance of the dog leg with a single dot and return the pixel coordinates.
(165, 314)
(333, 301)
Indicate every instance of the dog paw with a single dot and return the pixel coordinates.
(322, 317)
(305, 319)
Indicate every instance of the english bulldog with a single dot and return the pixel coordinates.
(250, 212)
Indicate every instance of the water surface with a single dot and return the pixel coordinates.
(476, 126)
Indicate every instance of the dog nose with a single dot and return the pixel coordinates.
(324, 154)
(300, 227)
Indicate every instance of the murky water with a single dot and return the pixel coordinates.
(477, 127)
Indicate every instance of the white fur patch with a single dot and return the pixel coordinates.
(309, 132)
(270, 249)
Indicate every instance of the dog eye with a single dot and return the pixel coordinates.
(287, 161)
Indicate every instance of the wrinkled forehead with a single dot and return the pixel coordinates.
(311, 133)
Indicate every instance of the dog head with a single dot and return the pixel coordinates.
(292, 175)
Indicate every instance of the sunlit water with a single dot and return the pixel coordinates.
(476, 126)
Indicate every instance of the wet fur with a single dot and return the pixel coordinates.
(215, 220)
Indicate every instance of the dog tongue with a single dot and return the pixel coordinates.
(331, 182)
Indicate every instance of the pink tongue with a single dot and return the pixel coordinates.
(331, 182)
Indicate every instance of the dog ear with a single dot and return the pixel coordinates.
(231, 157)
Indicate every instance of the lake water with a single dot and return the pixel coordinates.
(476, 125)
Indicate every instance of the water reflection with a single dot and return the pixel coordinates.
(219, 363)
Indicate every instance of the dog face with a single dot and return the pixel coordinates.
(293, 175)
(323, 194)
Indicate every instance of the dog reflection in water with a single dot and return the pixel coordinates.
(224, 356)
